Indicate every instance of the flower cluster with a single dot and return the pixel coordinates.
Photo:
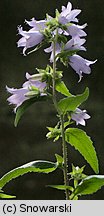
(70, 39)
(64, 24)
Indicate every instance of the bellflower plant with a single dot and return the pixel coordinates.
(63, 38)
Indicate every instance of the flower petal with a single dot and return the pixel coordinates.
(37, 25)
(30, 39)
(79, 116)
(19, 95)
(80, 65)
(75, 30)
(72, 16)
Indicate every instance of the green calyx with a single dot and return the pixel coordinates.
(77, 173)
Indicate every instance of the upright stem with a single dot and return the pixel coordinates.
(64, 147)
(54, 75)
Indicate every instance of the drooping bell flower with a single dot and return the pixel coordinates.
(75, 44)
(29, 38)
(80, 65)
(36, 87)
(75, 30)
(37, 25)
(68, 15)
(79, 116)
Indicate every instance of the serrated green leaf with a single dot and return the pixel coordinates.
(79, 139)
(20, 111)
(35, 166)
(71, 103)
(61, 87)
(61, 187)
(59, 159)
(90, 185)
(5, 196)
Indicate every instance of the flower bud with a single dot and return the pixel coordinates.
(36, 77)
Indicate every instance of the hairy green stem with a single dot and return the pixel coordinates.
(64, 147)
(54, 75)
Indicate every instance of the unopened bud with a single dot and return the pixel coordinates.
(36, 77)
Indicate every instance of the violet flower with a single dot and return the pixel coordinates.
(37, 25)
(68, 15)
(22, 94)
(80, 65)
(79, 116)
(75, 30)
(75, 44)
(35, 81)
(29, 38)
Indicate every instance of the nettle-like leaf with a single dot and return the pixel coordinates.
(61, 87)
(71, 103)
(20, 111)
(79, 139)
(6, 196)
(35, 166)
(62, 187)
(89, 185)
